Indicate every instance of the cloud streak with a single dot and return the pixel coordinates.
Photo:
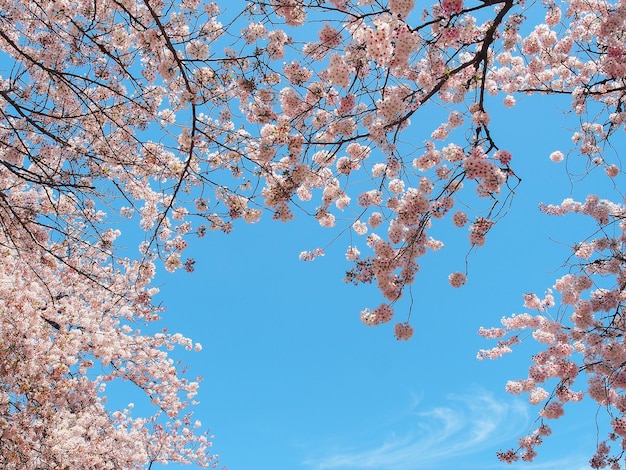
(467, 424)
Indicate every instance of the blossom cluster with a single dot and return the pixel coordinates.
(190, 115)
(587, 341)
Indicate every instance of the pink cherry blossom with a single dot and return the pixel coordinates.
(612, 170)
(556, 156)
(403, 331)
(457, 279)
(184, 119)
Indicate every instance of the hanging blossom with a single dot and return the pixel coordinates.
(587, 341)
(258, 115)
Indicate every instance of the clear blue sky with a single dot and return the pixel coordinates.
(294, 381)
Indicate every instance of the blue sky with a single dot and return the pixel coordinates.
(294, 380)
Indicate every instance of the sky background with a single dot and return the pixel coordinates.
(294, 381)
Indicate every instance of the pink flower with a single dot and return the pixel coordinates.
(401, 8)
(509, 101)
(359, 227)
(440, 133)
(612, 171)
(338, 71)
(491, 332)
(381, 314)
(457, 279)
(514, 388)
(553, 15)
(619, 426)
(189, 265)
(329, 37)
(452, 6)
(532, 301)
(557, 156)
(459, 218)
(552, 410)
(503, 156)
(352, 253)
(508, 456)
(311, 255)
(455, 119)
(537, 396)
(403, 331)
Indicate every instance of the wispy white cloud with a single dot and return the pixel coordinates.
(464, 425)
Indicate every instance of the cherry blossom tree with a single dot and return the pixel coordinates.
(183, 116)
